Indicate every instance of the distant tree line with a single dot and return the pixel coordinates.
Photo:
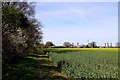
(92, 44)
(50, 44)
(89, 45)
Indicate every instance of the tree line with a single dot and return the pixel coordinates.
(21, 31)
(92, 44)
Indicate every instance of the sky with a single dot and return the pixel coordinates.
(70, 0)
(78, 22)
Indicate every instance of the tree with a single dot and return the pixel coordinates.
(67, 44)
(20, 29)
(82, 46)
(92, 44)
(48, 44)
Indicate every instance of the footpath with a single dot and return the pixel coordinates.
(48, 71)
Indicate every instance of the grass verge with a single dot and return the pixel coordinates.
(23, 69)
(48, 71)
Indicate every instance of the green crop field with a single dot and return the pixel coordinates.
(88, 63)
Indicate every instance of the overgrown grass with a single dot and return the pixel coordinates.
(22, 69)
(49, 70)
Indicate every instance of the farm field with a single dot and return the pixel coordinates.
(86, 62)
(78, 49)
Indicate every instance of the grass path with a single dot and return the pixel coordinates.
(21, 69)
(32, 67)
(47, 70)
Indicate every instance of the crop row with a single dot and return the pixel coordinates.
(91, 64)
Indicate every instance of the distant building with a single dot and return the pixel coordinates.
(118, 44)
(110, 44)
(77, 45)
(105, 45)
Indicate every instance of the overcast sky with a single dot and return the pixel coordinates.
(78, 21)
